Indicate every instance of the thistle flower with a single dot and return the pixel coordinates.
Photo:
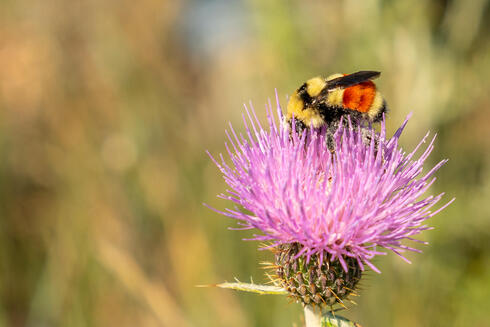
(326, 214)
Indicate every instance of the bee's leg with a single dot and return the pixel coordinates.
(330, 135)
(367, 136)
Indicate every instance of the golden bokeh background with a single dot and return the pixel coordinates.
(107, 108)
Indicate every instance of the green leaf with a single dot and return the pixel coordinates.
(253, 288)
(329, 320)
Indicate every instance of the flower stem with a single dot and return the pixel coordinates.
(313, 316)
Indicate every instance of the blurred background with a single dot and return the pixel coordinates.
(107, 108)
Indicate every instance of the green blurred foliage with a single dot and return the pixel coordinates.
(107, 107)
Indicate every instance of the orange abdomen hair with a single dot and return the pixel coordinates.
(359, 97)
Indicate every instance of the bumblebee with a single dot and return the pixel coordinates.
(324, 101)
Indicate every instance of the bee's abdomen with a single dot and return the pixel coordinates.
(359, 97)
(377, 111)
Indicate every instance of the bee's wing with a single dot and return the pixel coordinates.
(352, 79)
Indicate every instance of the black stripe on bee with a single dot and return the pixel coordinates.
(334, 114)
